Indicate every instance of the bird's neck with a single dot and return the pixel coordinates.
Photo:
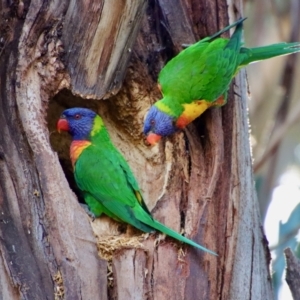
(170, 106)
(98, 125)
(98, 133)
(98, 136)
(76, 148)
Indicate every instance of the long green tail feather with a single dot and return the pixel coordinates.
(250, 55)
(141, 219)
(168, 231)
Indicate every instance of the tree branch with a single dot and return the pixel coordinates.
(292, 273)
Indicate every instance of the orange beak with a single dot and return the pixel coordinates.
(153, 138)
(62, 125)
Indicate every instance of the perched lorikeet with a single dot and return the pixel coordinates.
(104, 177)
(199, 77)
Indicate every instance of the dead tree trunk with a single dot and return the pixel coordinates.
(199, 180)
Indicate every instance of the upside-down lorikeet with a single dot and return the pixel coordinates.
(104, 177)
(199, 77)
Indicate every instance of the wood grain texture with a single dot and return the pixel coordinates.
(198, 181)
(292, 272)
(40, 236)
(108, 29)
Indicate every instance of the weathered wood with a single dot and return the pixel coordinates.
(98, 40)
(292, 273)
(130, 283)
(44, 234)
(199, 180)
(209, 188)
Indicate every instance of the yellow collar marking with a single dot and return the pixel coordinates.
(192, 111)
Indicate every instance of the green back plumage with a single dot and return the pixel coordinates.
(109, 186)
(204, 70)
(100, 174)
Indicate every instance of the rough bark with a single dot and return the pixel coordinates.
(199, 180)
(292, 273)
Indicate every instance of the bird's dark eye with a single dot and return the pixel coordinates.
(152, 122)
(77, 117)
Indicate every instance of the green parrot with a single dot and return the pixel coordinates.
(104, 177)
(199, 77)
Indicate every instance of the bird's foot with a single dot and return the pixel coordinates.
(161, 237)
(181, 255)
(146, 235)
(220, 101)
(86, 209)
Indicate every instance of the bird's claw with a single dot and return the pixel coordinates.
(86, 209)
(161, 237)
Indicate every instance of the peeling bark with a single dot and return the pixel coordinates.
(199, 180)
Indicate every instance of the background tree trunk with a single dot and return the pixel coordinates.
(199, 180)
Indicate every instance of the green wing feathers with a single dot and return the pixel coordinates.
(99, 173)
(204, 70)
(217, 34)
(109, 187)
(235, 42)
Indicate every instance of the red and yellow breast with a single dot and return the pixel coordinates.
(191, 112)
(76, 149)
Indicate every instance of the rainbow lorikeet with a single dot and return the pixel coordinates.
(104, 177)
(199, 77)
